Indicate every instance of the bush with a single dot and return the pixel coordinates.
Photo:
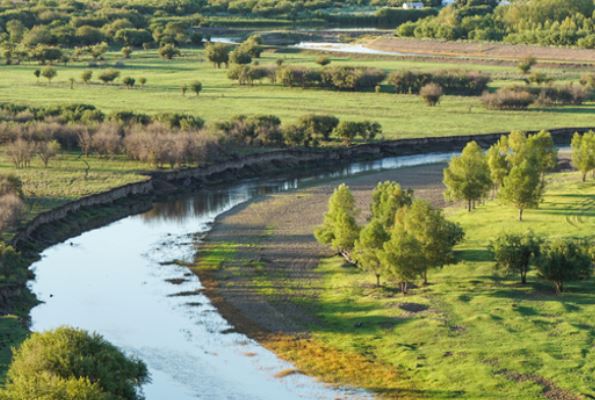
(109, 75)
(12, 207)
(508, 99)
(452, 82)
(349, 130)
(323, 61)
(431, 93)
(73, 364)
(318, 126)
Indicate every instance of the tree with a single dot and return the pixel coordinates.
(368, 248)
(184, 89)
(497, 162)
(319, 126)
(526, 64)
(218, 53)
(129, 82)
(583, 152)
(542, 147)
(126, 51)
(49, 73)
(47, 150)
(12, 209)
(402, 257)
(37, 74)
(71, 80)
(169, 51)
(563, 261)
(240, 57)
(339, 229)
(21, 152)
(431, 93)
(109, 75)
(436, 235)
(142, 81)
(514, 253)
(523, 187)
(388, 198)
(73, 364)
(196, 87)
(86, 76)
(467, 177)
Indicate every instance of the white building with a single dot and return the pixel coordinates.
(413, 5)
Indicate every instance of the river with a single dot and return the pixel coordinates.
(119, 281)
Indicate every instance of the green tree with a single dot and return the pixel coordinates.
(339, 229)
(387, 198)
(497, 162)
(526, 64)
(514, 253)
(583, 152)
(368, 248)
(437, 236)
(37, 74)
(542, 147)
(47, 150)
(218, 53)
(86, 76)
(196, 87)
(563, 261)
(467, 177)
(142, 81)
(240, 57)
(523, 187)
(129, 82)
(69, 360)
(126, 51)
(169, 51)
(49, 73)
(402, 257)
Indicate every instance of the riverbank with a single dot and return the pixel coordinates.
(87, 213)
(266, 274)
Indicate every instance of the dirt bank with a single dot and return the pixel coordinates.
(499, 51)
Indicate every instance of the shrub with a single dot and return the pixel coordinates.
(508, 99)
(86, 76)
(74, 365)
(452, 82)
(352, 78)
(49, 73)
(107, 139)
(323, 61)
(240, 57)
(218, 53)
(526, 64)
(348, 130)
(196, 87)
(129, 82)
(431, 93)
(109, 75)
(319, 125)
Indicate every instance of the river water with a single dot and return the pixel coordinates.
(117, 281)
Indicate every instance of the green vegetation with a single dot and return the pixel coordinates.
(71, 364)
(546, 22)
(474, 332)
(220, 99)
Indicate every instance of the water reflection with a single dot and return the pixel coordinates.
(117, 281)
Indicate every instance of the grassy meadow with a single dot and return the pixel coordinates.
(400, 115)
(483, 335)
(472, 333)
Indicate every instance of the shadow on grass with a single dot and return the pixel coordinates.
(474, 255)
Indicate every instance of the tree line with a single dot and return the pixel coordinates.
(544, 22)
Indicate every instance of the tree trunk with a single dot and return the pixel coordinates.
(584, 176)
(425, 274)
(377, 280)
(524, 278)
(521, 214)
(469, 205)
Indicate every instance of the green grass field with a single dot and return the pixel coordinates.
(400, 115)
(65, 179)
(484, 336)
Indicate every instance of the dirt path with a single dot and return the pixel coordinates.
(499, 51)
(275, 253)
